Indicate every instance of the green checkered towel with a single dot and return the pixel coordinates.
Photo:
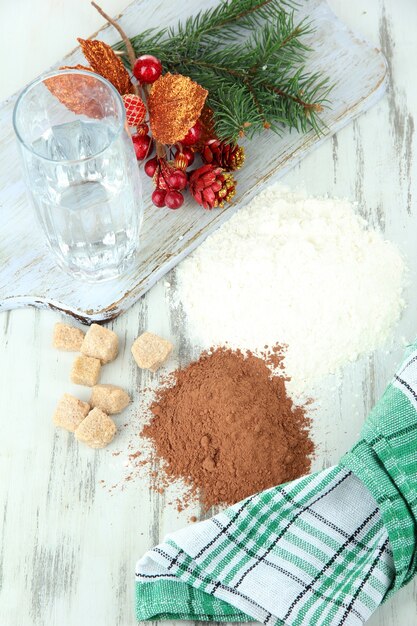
(326, 549)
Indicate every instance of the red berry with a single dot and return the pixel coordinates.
(174, 199)
(193, 135)
(141, 144)
(150, 166)
(158, 198)
(147, 68)
(187, 153)
(177, 180)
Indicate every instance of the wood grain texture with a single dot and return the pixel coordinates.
(28, 273)
(67, 546)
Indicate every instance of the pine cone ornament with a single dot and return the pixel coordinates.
(228, 156)
(135, 109)
(211, 186)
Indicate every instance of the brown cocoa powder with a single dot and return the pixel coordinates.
(228, 429)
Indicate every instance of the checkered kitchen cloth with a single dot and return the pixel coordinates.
(326, 549)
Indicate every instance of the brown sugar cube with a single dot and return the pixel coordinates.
(151, 351)
(109, 398)
(85, 371)
(100, 343)
(70, 412)
(67, 338)
(97, 430)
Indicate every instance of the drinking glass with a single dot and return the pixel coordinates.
(81, 172)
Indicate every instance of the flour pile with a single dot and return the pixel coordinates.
(295, 270)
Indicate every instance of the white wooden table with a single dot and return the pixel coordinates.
(67, 545)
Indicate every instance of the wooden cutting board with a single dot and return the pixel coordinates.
(29, 275)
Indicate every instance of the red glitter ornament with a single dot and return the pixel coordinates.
(135, 109)
(147, 69)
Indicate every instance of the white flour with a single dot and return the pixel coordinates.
(294, 270)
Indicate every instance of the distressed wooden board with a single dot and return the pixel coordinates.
(28, 274)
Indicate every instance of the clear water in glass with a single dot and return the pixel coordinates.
(83, 178)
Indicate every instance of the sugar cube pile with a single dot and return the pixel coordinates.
(90, 421)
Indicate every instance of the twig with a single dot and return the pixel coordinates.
(295, 33)
(256, 102)
(129, 48)
(160, 150)
(239, 16)
(243, 76)
(307, 106)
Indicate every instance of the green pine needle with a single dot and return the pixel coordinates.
(250, 56)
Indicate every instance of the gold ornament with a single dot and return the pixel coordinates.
(105, 62)
(76, 92)
(175, 103)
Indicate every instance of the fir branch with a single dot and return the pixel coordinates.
(241, 14)
(232, 109)
(230, 17)
(250, 56)
(266, 123)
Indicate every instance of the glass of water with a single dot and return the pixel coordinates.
(81, 172)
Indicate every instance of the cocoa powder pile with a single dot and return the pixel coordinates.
(228, 429)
